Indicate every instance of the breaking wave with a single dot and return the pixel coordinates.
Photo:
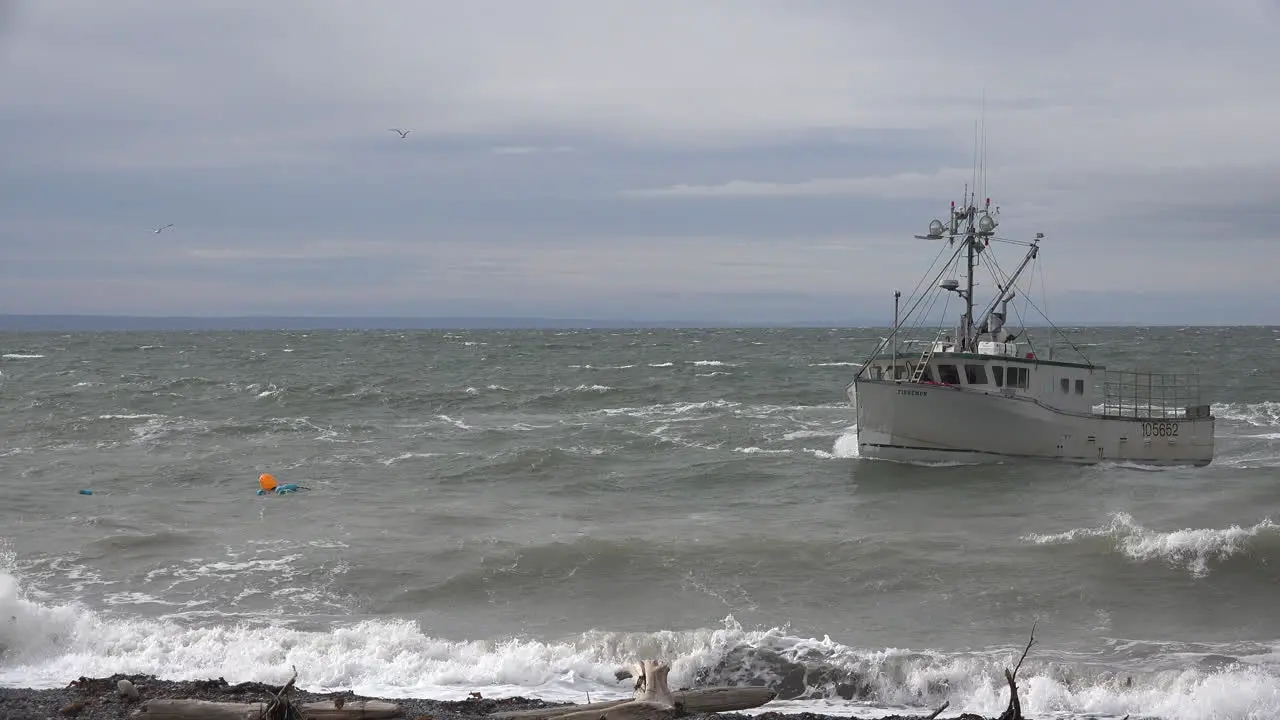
(1195, 550)
(46, 644)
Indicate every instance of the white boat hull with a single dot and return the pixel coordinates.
(917, 422)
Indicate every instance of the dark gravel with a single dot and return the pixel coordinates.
(98, 699)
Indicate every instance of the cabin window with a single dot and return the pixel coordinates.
(1079, 387)
(1066, 385)
(948, 375)
(927, 375)
(975, 374)
(1017, 377)
(997, 374)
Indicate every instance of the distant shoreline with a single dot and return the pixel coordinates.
(127, 323)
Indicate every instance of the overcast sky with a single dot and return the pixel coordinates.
(735, 159)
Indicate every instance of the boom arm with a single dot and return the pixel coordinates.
(1013, 280)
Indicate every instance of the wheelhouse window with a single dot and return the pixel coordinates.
(948, 375)
(1016, 377)
(997, 374)
(1065, 384)
(1079, 387)
(975, 374)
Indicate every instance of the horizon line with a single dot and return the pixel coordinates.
(35, 322)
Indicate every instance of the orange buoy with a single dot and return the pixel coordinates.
(267, 482)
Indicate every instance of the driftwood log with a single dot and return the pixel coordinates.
(1014, 711)
(653, 700)
(277, 707)
(326, 710)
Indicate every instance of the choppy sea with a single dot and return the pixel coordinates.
(523, 512)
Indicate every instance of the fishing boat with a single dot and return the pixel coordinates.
(981, 393)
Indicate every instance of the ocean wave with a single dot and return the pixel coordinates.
(1192, 549)
(1261, 414)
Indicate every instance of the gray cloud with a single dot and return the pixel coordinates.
(729, 158)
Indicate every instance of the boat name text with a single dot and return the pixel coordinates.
(1160, 429)
(915, 393)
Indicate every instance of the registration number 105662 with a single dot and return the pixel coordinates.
(1160, 429)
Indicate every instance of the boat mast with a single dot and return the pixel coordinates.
(969, 235)
(969, 238)
(977, 229)
(896, 294)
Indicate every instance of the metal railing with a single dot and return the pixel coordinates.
(1140, 394)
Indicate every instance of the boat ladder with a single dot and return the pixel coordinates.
(922, 365)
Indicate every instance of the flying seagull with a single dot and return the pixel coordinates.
(157, 230)
(403, 133)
